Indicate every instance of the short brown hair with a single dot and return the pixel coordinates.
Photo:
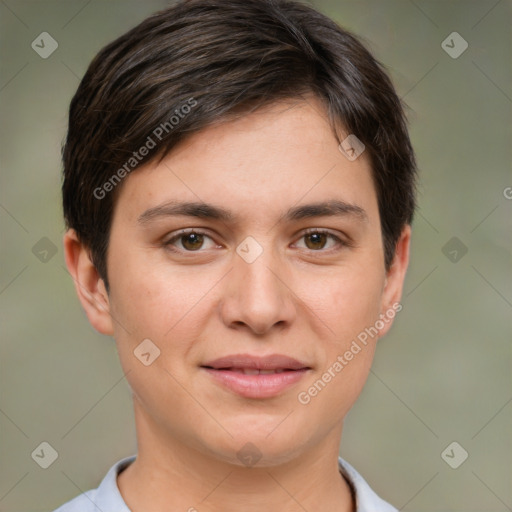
(198, 63)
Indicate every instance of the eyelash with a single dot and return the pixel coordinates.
(341, 243)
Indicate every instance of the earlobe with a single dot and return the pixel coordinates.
(394, 281)
(89, 286)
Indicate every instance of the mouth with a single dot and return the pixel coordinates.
(255, 376)
(252, 371)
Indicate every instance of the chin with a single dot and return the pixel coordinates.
(258, 445)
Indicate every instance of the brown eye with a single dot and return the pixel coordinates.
(320, 241)
(315, 241)
(192, 241)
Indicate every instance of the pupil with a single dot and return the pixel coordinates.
(193, 241)
(317, 239)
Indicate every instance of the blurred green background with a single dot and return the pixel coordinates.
(443, 374)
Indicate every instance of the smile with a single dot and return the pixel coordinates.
(254, 376)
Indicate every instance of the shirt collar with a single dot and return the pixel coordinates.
(109, 497)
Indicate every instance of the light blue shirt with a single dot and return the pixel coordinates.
(107, 498)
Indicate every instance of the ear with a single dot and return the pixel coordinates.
(392, 293)
(89, 286)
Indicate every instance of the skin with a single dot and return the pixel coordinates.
(305, 297)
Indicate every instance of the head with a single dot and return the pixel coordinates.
(214, 207)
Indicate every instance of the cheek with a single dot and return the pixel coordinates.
(350, 310)
(157, 313)
(347, 300)
(349, 303)
(155, 300)
(170, 307)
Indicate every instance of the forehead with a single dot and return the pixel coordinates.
(280, 155)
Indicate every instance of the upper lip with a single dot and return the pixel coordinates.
(269, 362)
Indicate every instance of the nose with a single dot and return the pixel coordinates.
(258, 296)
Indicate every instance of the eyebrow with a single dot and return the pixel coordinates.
(202, 210)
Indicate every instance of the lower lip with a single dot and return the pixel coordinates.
(257, 386)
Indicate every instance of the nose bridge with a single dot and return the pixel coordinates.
(260, 279)
(258, 296)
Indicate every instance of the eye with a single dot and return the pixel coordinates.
(317, 240)
(193, 240)
(189, 241)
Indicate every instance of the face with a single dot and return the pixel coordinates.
(251, 257)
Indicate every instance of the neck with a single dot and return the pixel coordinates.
(169, 475)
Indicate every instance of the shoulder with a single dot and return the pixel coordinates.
(366, 499)
(83, 503)
(106, 497)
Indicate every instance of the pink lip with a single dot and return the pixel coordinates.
(228, 371)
